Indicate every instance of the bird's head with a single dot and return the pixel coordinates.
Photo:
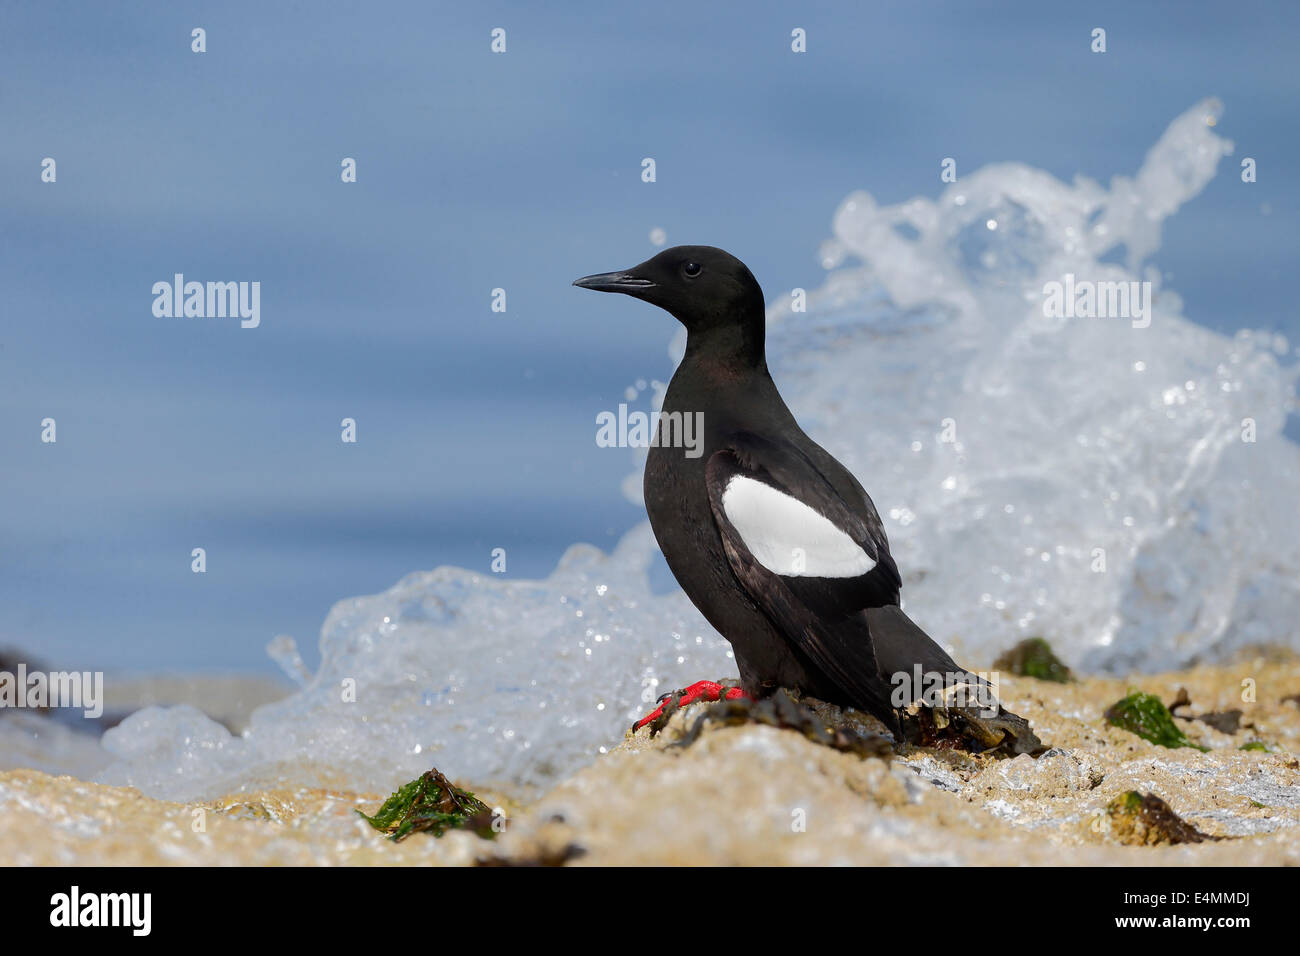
(706, 289)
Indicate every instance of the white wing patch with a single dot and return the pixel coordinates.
(787, 537)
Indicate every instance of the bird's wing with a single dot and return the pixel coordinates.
(810, 559)
(789, 516)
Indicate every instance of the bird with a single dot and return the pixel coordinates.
(774, 540)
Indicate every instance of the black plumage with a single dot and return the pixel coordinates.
(832, 628)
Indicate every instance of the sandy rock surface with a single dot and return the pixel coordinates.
(758, 794)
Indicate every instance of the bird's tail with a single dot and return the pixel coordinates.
(906, 654)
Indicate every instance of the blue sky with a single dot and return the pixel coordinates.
(475, 171)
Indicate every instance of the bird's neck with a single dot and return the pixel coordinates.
(733, 350)
(731, 382)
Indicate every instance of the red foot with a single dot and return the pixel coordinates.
(705, 690)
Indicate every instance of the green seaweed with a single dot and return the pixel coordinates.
(431, 802)
(1128, 802)
(1033, 657)
(1145, 715)
(1255, 745)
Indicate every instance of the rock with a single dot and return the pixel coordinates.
(1146, 820)
(1225, 722)
(770, 785)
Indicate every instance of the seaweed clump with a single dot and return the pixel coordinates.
(970, 730)
(1033, 657)
(1146, 820)
(432, 802)
(782, 710)
(1145, 715)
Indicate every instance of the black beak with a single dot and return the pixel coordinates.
(624, 282)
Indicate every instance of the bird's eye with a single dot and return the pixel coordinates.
(691, 269)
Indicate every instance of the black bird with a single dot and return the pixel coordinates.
(774, 540)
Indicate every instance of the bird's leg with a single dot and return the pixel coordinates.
(899, 733)
(704, 690)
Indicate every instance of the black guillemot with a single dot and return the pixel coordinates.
(773, 540)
